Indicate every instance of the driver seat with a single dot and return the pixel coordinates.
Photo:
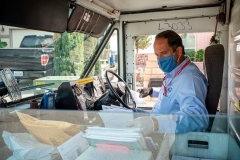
(213, 63)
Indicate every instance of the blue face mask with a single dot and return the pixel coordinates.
(167, 64)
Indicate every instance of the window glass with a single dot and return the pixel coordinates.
(108, 59)
(41, 58)
(41, 41)
(100, 134)
(188, 40)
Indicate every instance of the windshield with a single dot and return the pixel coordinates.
(57, 58)
(80, 135)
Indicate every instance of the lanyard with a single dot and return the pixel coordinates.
(177, 73)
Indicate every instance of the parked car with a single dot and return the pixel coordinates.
(33, 59)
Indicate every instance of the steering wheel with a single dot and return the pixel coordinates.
(115, 93)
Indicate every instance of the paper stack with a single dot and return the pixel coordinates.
(125, 138)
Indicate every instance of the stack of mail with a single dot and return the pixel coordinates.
(129, 138)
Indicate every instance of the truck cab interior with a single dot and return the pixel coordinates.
(88, 97)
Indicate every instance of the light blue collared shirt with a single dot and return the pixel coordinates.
(184, 101)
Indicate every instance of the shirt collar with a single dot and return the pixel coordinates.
(173, 72)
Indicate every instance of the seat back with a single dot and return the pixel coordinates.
(213, 62)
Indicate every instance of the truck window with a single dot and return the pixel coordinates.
(37, 42)
(55, 58)
(108, 60)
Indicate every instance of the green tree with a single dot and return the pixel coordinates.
(199, 55)
(217, 38)
(142, 42)
(195, 56)
(97, 66)
(77, 53)
(90, 44)
(68, 54)
(190, 54)
(3, 44)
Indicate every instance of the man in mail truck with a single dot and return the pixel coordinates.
(181, 99)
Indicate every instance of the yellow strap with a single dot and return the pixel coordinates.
(84, 80)
(237, 106)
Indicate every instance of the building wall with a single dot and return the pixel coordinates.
(202, 40)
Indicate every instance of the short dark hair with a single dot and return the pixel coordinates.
(174, 40)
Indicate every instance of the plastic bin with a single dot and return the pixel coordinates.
(199, 145)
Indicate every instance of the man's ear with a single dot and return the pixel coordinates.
(179, 51)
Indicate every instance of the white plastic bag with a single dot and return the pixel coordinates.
(24, 146)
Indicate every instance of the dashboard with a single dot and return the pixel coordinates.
(76, 95)
(88, 96)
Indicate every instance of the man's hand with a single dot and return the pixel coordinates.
(145, 92)
(146, 123)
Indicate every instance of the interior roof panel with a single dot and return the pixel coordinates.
(139, 5)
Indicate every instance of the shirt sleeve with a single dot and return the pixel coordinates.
(193, 115)
(155, 92)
